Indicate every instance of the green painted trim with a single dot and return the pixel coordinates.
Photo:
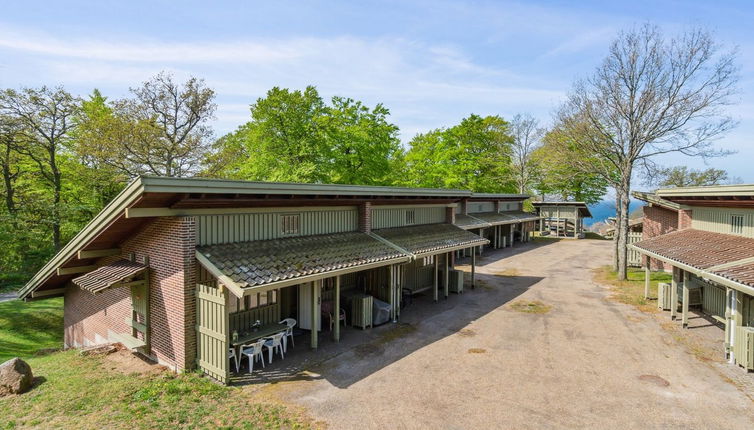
(97, 253)
(76, 270)
(712, 190)
(164, 211)
(656, 200)
(236, 289)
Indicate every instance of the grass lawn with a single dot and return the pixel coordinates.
(74, 391)
(631, 291)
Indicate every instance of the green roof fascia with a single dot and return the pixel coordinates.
(222, 186)
(711, 190)
(655, 200)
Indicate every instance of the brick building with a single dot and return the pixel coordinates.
(173, 266)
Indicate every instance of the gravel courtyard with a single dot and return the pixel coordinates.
(474, 362)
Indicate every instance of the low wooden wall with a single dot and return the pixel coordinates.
(265, 314)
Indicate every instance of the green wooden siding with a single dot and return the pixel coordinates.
(713, 299)
(718, 220)
(417, 276)
(212, 331)
(403, 216)
(215, 229)
(265, 314)
(476, 207)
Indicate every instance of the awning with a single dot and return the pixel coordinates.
(468, 222)
(282, 262)
(430, 238)
(501, 218)
(109, 275)
(716, 256)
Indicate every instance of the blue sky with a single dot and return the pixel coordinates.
(430, 62)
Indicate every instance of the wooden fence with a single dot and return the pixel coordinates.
(212, 331)
(634, 258)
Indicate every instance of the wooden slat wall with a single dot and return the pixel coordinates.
(718, 220)
(214, 229)
(713, 299)
(480, 207)
(396, 217)
(265, 314)
(417, 276)
(212, 331)
(634, 258)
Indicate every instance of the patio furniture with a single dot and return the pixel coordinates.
(232, 355)
(290, 323)
(327, 309)
(253, 352)
(275, 341)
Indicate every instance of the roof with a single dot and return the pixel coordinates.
(260, 263)
(741, 195)
(512, 217)
(583, 208)
(655, 200)
(712, 254)
(109, 275)
(430, 238)
(467, 222)
(160, 196)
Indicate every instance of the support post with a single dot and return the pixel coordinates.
(315, 313)
(685, 307)
(446, 278)
(494, 237)
(646, 279)
(473, 270)
(336, 332)
(481, 231)
(728, 318)
(674, 294)
(437, 267)
(391, 280)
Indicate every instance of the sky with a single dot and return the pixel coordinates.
(431, 63)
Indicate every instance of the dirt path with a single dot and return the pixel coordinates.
(473, 362)
(6, 297)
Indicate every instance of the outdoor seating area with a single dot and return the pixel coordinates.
(254, 341)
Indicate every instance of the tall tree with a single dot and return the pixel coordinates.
(45, 115)
(9, 135)
(527, 137)
(296, 136)
(651, 96)
(682, 176)
(474, 154)
(163, 129)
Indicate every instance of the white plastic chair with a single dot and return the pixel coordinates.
(290, 322)
(275, 341)
(253, 352)
(232, 356)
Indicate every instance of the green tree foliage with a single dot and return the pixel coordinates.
(161, 130)
(682, 176)
(296, 136)
(475, 155)
(566, 172)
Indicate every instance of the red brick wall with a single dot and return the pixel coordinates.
(684, 219)
(450, 215)
(365, 217)
(658, 221)
(170, 245)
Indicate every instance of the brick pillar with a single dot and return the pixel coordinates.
(365, 217)
(450, 215)
(684, 219)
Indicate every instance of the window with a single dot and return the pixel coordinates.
(257, 300)
(289, 224)
(410, 216)
(737, 224)
(428, 260)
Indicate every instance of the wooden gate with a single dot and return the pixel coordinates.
(212, 324)
(634, 258)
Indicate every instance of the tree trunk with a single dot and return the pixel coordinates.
(617, 223)
(623, 231)
(57, 186)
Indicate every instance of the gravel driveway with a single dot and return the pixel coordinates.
(472, 362)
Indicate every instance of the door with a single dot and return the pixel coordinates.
(212, 331)
(305, 307)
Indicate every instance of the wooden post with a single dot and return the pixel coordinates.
(473, 270)
(336, 332)
(728, 315)
(447, 273)
(646, 279)
(685, 307)
(315, 313)
(674, 294)
(437, 275)
(494, 237)
(481, 231)
(391, 281)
